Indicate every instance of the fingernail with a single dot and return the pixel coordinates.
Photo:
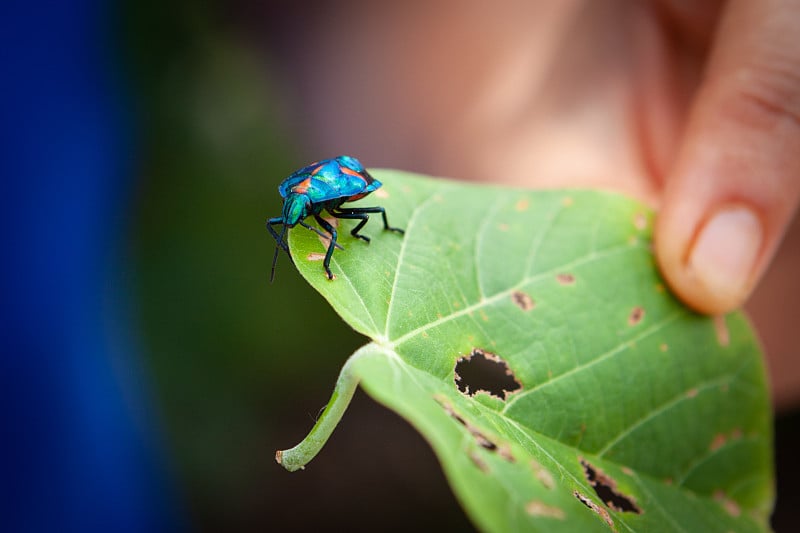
(726, 251)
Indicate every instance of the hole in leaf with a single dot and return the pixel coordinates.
(522, 300)
(594, 507)
(606, 489)
(485, 372)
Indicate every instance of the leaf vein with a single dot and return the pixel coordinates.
(401, 255)
(507, 292)
(655, 328)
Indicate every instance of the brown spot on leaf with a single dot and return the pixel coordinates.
(565, 278)
(502, 227)
(606, 488)
(717, 442)
(503, 450)
(522, 204)
(484, 316)
(522, 300)
(457, 305)
(720, 439)
(477, 460)
(542, 474)
(663, 347)
(659, 287)
(539, 508)
(728, 504)
(381, 193)
(566, 201)
(585, 500)
(721, 328)
(691, 393)
(636, 316)
(485, 372)
(314, 256)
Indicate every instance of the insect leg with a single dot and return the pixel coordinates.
(278, 238)
(318, 232)
(364, 210)
(281, 243)
(275, 257)
(361, 216)
(330, 229)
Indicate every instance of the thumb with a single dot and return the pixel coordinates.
(736, 181)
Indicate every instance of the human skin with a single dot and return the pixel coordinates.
(693, 107)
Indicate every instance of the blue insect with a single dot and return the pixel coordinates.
(326, 184)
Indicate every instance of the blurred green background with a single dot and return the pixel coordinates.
(242, 367)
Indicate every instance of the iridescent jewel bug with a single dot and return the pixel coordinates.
(326, 184)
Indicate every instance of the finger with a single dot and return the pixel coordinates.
(736, 182)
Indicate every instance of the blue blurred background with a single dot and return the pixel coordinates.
(149, 370)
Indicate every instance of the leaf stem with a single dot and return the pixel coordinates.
(296, 458)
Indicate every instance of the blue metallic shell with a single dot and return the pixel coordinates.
(330, 179)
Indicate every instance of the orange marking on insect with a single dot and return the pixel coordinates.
(351, 172)
(302, 187)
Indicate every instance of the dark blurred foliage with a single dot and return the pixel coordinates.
(243, 367)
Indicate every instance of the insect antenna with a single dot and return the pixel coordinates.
(278, 247)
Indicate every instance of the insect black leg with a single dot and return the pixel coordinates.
(281, 243)
(318, 232)
(364, 210)
(360, 216)
(330, 229)
(278, 238)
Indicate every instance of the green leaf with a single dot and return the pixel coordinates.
(621, 409)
